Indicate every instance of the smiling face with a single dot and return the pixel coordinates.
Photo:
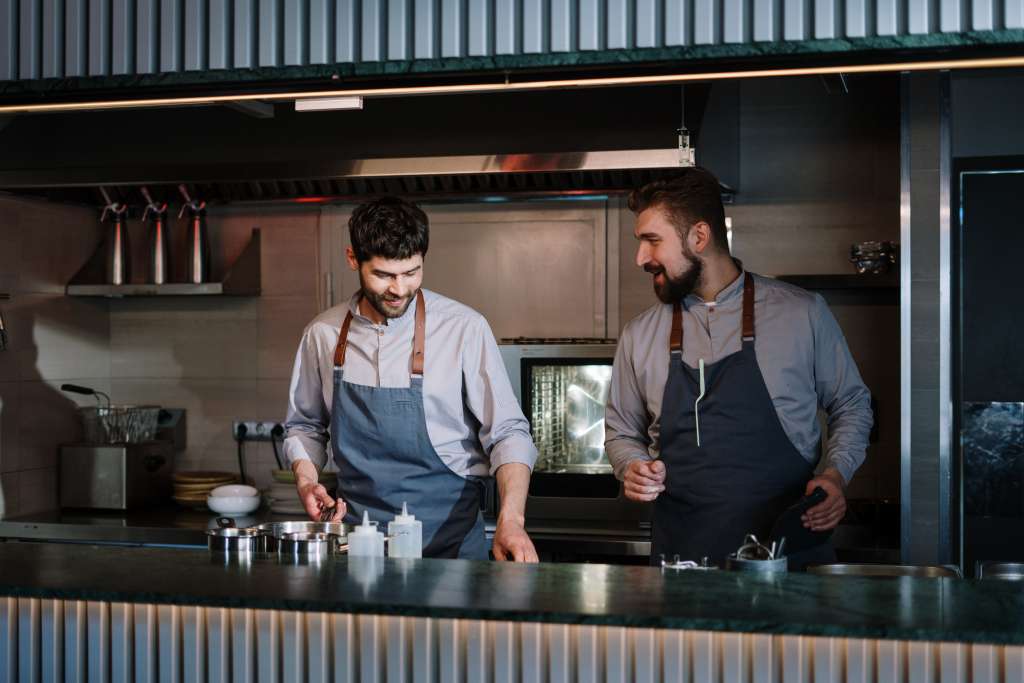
(389, 285)
(667, 256)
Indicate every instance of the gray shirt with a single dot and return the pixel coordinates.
(473, 419)
(800, 350)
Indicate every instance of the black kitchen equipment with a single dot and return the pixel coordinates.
(158, 249)
(197, 255)
(3, 326)
(790, 528)
(118, 262)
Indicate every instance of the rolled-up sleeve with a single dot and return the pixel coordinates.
(842, 394)
(308, 421)
(625, 418)
(504, 431)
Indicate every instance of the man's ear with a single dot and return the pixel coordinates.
(350, 256)
(699, 237)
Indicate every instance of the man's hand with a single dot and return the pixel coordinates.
(644, 480)
(828, 513)
(512, 543)
(313, 495)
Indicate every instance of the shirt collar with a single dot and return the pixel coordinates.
(390, 324)
(731, 291)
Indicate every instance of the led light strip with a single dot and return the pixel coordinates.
(982, 63)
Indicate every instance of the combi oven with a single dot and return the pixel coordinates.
(562, 386)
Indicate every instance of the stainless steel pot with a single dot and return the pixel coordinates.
(273, 532)
(767, 566)
(305, 545)
(231, 540)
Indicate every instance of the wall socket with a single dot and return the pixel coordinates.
(255, 430)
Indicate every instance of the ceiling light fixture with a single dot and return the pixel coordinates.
(611, 81)
(328, 103)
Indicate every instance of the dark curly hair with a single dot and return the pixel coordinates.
(688, 198)
(390, 228)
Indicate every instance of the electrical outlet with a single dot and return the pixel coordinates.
(255, 430)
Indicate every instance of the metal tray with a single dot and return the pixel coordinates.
(921, 571)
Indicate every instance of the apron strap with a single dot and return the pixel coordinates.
(419, 333)
(675, 342)
(748, 307)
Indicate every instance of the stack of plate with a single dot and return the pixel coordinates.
(192, 488)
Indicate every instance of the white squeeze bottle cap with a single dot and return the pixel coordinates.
(406, 535)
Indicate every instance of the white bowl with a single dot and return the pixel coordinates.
(233, 505)
(235, 491)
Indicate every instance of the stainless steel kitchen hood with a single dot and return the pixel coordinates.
(444, 176)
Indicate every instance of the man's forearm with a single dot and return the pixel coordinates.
(513, 485)
(305, 472)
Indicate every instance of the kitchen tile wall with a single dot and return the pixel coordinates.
(53, 339)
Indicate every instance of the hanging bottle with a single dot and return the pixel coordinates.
(118, 261)
(197, 255)
(158, 251)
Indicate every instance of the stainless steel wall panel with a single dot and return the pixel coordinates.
(400, 29)
(795, 19)
(558, 638)
(506, 652)
(706, 22)
(650, 21)
(268, 644)
(344, 647)
(888, 19)
(426, 19)
(616, 655)
(53, 38)
(645, 654)
(620, 25)
(145, 634)
(983, 15)
(734, 661)
(196, 35)
(147, 35)
(535, 26)
(453, 28)
(318, 639)
(296, 32)
(764, 658)
(293, 646)
(218, 645)
(169, 646)
(29, 636)
(243, 646)
(734, 21)
(373, 30)
(122, 640)
(825, 19)
(321, 31)
(219, 54)
(507, 27)
(76, 648)
(30, 46)
(1013, 14)
(534, 654)
(51, 640)
(950, 16)
(98, 639)
(371, 648)
(857, 21)
(919, 16)
(269, 41)
(76, 27)
(244, 42)
(565, 25)
(122, 17)
(193, 645)
(678, 20)
(592, 24)
(100, 46)
(9, 40)
(704, 659)
(171, 21)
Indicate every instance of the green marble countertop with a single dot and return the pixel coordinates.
(904, 608)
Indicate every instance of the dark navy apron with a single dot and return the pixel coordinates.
(745, 471)
(380, 442)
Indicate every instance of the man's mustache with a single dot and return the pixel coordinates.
(654, 270)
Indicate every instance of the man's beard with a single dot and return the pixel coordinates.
(387, 308)
(675, 289)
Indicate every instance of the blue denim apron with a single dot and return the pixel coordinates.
(385, 457)
(745, 472)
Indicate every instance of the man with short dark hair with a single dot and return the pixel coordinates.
(413, 392)
(713, 405)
